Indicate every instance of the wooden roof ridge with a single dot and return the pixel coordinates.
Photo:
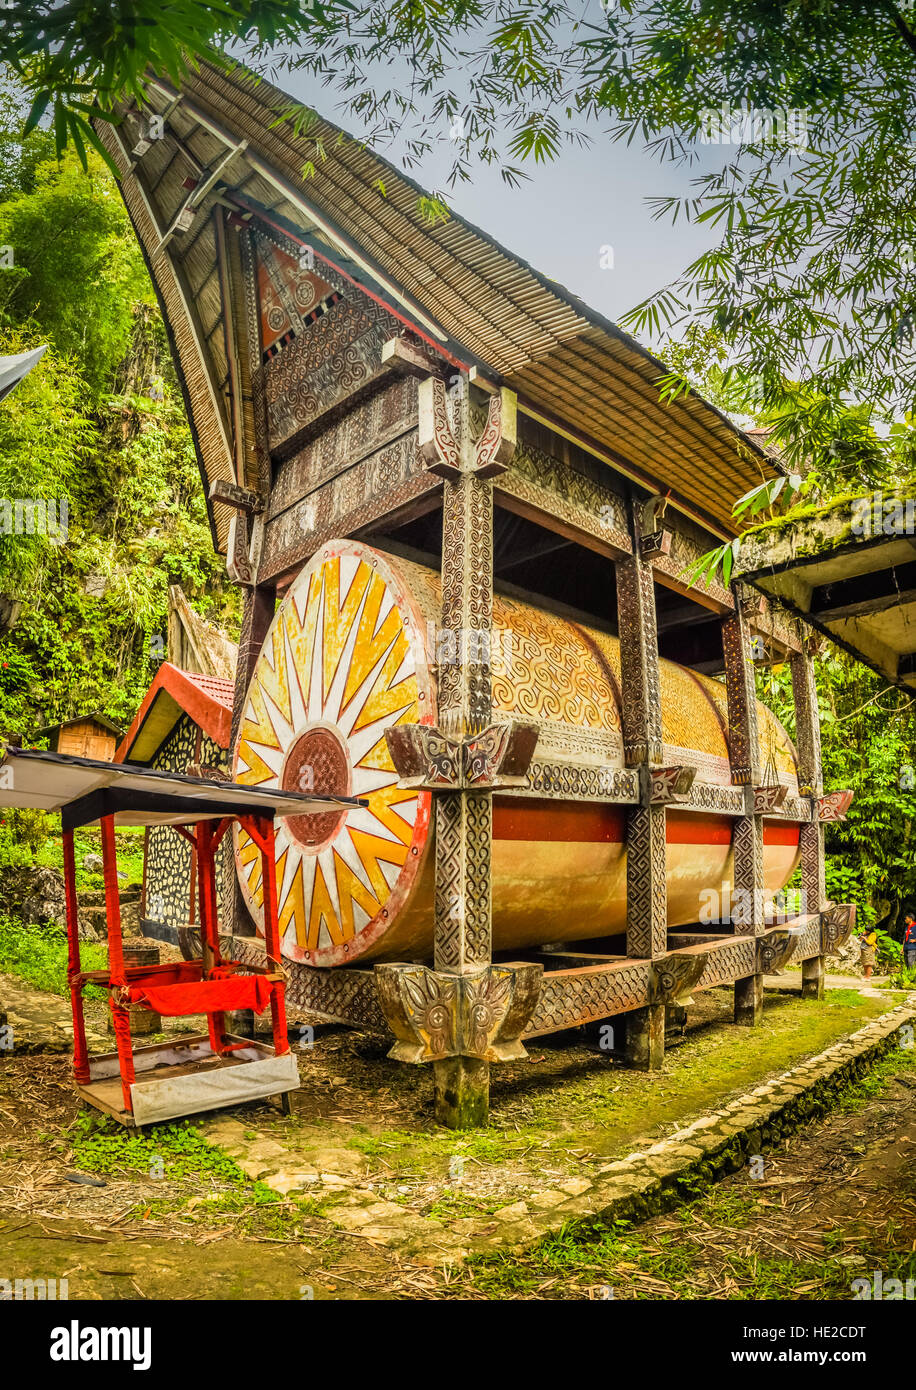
(564, 296)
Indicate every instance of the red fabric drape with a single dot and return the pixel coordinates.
(204, 996)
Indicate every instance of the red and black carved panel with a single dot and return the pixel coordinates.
(291, 295)
(321, 336)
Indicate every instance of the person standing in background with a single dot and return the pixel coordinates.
(909, 941)
(869, 941)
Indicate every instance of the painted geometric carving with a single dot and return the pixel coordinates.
(290, 295)
(666, 784)
(834, 806)
(496, 445)
(435, 1015)
(768, 799)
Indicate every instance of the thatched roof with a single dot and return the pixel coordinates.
(451, 283)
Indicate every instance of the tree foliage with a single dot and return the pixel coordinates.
(868, 735)
(98, 426)
(813, 267)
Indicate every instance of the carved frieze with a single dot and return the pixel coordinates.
(546, 484)
(392, 477)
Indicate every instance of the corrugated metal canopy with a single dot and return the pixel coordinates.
(483, 306)
(32, 780)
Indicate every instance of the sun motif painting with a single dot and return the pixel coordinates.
(341, 663)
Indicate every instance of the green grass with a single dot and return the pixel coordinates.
(453, 1206)
(100, 1145)
(576, 1258)
(254, 1211)
(602, 1107)
(38, 955)
(180, 1153)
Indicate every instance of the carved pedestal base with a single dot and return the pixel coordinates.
(436, 1016)
(749, 1001)
(813, 978)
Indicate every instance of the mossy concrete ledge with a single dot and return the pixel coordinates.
(647, 1182)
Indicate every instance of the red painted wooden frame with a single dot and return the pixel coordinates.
(205, 839)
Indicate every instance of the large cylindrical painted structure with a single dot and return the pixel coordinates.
(352, 651)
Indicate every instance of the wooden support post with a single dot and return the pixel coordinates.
(462, 1092)
(257, 616)
(80, 1049)
(645, 1045)
(209, 940)
(647, 901)
(116, 976)
(811, 784)
(271, 934)
(464, 818)
(747, 831)
(813, 978)
(749, 1001)
(647, 896)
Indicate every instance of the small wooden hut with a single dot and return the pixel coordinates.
(182, 726)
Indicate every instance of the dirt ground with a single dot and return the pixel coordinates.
(172, 1216)
(835, 1203)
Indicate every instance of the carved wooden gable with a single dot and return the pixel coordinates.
(319, 335)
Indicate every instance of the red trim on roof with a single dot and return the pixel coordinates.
(206, 699)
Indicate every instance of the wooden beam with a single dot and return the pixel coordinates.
(865, 594)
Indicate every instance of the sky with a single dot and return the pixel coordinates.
(564, 219)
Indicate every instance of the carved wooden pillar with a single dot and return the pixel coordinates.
(464, 819)
(465, 1012)
(747, 831)
(257, 615)
(810, 784)
(641, 714)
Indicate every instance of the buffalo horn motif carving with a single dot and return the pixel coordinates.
(668, 784)
(774, 948)
(440, 449)
(498, 756)
(834, 806)
(424, 756)
(837, 923)
(767, 799)
(675, 975)
(496, 445)
(436, 441)
(434, 1015)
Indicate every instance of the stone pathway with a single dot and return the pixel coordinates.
(42, 1022)
(639, 1185)
(336, 1179)
(790, 980)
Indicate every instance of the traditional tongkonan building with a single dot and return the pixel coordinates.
(461, 518)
